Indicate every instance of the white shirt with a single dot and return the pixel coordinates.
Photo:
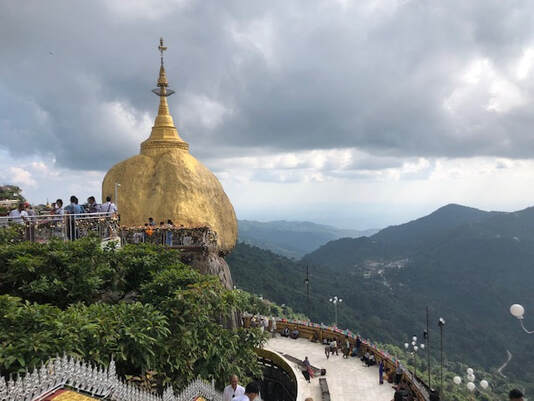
(108, 207)
(229, 393)
(18, 217)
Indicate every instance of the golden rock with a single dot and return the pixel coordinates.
(166, 182)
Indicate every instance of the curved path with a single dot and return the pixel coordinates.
(505, 364)
(348, 379)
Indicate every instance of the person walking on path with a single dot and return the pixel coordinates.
(381, 372)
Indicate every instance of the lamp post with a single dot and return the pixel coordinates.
(307, 283)
(335, 300)
(413, 352)
(441, 324)
(426, 337)
(518, 311)
(470, 381)
(117, 185)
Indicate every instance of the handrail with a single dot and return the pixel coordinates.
(318, 331)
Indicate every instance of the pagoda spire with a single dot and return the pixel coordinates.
(164, 133)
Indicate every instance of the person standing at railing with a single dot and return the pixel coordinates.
(18, 215)
(72, 210)
(168, 233)
(108, 207)
(92, 206)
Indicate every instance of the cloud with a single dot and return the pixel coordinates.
(369, 93)
(398, 79)
(20, 177)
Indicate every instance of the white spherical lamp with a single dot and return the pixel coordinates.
(457, 380)
(406, 345)
(484, 384)
(517, 311)
(422, 346)
(471, 378)
(415, 348)
(470, 371)
(471, 386)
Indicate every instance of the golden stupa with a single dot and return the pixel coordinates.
(166, 182)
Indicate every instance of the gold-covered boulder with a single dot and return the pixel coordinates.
(166, 182)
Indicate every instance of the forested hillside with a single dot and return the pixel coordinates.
(467, 265)
(292, 239)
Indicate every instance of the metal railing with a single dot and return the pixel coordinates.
(70, 227)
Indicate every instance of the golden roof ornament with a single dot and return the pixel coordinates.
(164, 133)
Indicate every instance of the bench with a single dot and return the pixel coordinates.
(325, 393)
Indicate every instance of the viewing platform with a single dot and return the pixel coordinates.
(347, 379)
(344, 379)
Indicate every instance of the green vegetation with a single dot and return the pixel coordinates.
(10, 192)
(158, 319)
(466, 265)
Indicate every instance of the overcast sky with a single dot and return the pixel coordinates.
(355, 113)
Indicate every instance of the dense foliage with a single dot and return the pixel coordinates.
(139, 305)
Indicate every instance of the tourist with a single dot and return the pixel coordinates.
(381, 372)
(58, 209)
(72, 210)
(515, 395)
(401, 393)
(18, 215)
(295, 334)
(73, 207)
(233, 390)
(365, 358)
(251, 392)
(168, 233)
(30, 211)
(151, 221)
(358, 345)
(327, 350)
(372, 360)
(398, 373)
(346, 348)
(92, 206)
(108, 207)
(308, 367)
(333, 346)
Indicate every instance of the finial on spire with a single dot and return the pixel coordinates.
(162, 80)
(161, 49)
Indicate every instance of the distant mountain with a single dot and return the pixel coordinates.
(292, 239)
(466, 264)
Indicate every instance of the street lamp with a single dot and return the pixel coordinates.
(413, 352)
(518, 311)
(441, 324)
(470, 382)
(335, 300)
(117, 185)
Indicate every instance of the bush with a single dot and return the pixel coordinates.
(158, 318)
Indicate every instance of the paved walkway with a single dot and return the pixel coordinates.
(348, 379)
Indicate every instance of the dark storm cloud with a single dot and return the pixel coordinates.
(276, 76)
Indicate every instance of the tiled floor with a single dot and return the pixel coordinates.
(348, 379)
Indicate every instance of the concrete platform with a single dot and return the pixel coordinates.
(348, 379)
